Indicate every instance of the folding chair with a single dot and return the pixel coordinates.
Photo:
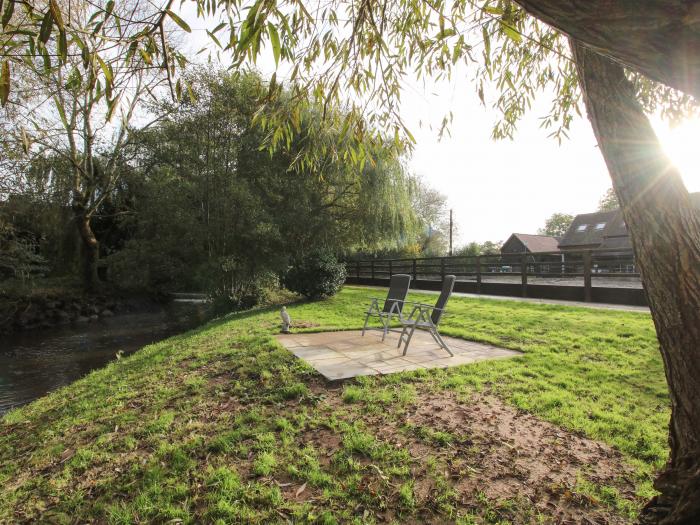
(393, 304)
(426, 317)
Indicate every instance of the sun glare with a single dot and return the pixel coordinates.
(682, 144)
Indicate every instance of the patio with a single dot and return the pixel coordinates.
(346, 354)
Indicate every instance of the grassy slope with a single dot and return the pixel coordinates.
(195, 427)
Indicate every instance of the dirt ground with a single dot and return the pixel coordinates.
(502, 454)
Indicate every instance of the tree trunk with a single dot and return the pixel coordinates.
(658, 38)
(665, 231)
(91, 248)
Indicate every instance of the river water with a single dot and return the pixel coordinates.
(33, 363)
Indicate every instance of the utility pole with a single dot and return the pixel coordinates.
(450, 232)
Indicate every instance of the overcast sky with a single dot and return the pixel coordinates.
(500, 187)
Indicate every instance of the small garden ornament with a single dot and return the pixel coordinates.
(286, 320)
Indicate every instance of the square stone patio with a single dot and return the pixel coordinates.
(345, 354)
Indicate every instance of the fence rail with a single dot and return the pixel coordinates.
(608, 276)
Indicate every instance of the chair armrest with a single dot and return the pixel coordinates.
(425, 306)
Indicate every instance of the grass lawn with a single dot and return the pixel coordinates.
(223, 424)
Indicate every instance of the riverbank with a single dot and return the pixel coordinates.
(43, 308)
(222, 423)
(35, 362)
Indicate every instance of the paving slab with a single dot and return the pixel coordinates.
(346, 354)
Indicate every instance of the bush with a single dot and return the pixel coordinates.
(316, 276)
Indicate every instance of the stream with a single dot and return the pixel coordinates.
(34, 363)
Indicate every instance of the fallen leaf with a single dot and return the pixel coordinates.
(300, 490)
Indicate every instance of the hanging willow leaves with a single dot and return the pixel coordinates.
(56, 13)
(46, 26)
(61, 111)
(179, 21)
(7, 14)
(146, 56)
(4, 82)
(275, 42)
(62, 45)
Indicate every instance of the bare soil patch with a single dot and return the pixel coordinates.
(493, 453)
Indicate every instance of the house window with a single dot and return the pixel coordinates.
(600, 226)
(582, 228)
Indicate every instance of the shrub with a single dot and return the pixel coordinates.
(316, 276)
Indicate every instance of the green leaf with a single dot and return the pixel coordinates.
(56, 13)
(146, 56)
(511, 32)
(7, 14)
(487, 41)
(105, 69)
(492, 10)
(214, 39)
(275, 41)
(130, 52)
(62, 45)
(61, 111)
(190, 92)
(179, 21)
(46, 26)
(4, 82)
(110, 7)
(445, 33)
(85, 55)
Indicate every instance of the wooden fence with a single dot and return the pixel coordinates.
(605, 276)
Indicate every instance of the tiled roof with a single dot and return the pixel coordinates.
(538, 243)
(613, 235)
(590, 236)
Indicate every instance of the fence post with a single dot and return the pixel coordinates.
(357, 269)
(415, 272)
(372, 269)
(587, 281)
(523, 273)
(391, 269)
(478, 274)
(442, 268)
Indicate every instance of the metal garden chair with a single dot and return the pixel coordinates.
(393, 304)
(426, 317)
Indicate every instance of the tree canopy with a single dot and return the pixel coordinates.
(355, 54)
(556, 225)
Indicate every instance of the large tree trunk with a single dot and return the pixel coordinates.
(665, 232)
(91, 248)
(658, 38)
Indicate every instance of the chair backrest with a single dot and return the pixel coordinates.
(398, 290)
(448, 283)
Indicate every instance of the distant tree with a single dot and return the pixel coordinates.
(556, 225)
(608, 201)
(430, 207)
(491, 248)
(475, 248)
(469, 249)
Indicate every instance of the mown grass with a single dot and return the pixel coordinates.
(224, 425)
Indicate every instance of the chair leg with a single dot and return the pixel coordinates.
(365, 326)
(410, 335)
(443, 344)
(386, 322)
(403, 334)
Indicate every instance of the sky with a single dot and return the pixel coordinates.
(496, 188)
